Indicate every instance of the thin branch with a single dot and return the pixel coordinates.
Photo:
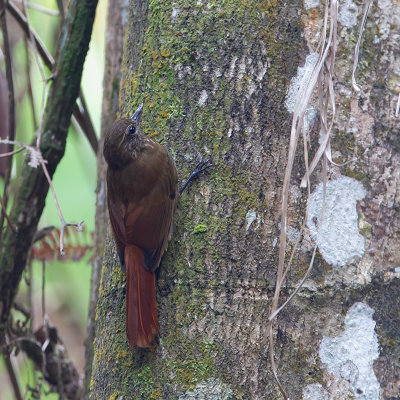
(82, 117)
(44, 78)
(19, 307)
(10, 153)
(300, 235)
(34, 154)
(11, 110)
(31, 291)
(29, 83)
(273, 364)
(36, 159)
(48, 353)
(6, 216)
(38, 7)
(357, 48)
(84, 121)
(298, 287)
(42, 109)
(13, 377)
(43, 289)
(61, 8)
(327, 96)
(23, 23)
(44, 10)
(78, 226)
(8, 345)
(10, 84)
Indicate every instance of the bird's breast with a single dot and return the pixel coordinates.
(145, 178)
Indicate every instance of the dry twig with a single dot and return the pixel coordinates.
(357, 48)
(321, 77)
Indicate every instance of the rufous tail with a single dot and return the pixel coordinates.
(141, 305)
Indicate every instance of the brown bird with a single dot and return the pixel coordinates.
(142, 188)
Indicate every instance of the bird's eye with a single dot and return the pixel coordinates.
(131, 129)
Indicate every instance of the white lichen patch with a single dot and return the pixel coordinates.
(242, 68)
(348, 12)
(250, 89)
(389, 19)
(311, 4)
(336, 229)
(251, 216)
(315, 391)
(174, 14)
(212, 389)
(203, 98)
(351, 355)
(262, 70)
(232, 67)
(295, 83)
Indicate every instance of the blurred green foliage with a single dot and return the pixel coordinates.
(67, 283)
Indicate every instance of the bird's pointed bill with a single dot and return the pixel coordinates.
(138, 113)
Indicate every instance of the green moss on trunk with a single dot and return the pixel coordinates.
(214, 77)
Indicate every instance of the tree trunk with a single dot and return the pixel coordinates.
(116, 22)
(216, 79)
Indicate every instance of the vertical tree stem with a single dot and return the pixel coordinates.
(11, 108)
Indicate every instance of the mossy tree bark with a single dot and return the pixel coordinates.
(215, 76)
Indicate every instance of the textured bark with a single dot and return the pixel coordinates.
(116, 22)
(215, 77)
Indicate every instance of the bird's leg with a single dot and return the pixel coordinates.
(200, 167)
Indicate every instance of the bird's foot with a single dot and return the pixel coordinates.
(200, 167)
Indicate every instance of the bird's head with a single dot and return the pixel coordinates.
(123, 140)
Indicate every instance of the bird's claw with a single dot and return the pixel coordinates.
(200, 167)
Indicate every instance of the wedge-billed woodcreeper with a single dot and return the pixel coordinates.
(142, 193)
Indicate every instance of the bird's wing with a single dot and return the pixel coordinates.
(144, 220)
(148, 221)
